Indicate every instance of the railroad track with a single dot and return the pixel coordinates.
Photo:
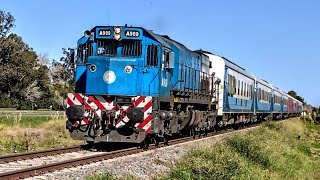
(38, 154)
(38, 170)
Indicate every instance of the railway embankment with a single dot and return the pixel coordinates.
(285, 150)
(28, 133)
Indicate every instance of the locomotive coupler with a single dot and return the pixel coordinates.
(107, 121)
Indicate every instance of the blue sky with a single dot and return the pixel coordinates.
(276, 40)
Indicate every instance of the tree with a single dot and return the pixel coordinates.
(43, 59)
(23, 79)
(33, 92)
(295, 95)
(24, 75)
(68, 62)
(57, 73)
(6, 24)
(62, 75)
(17, 64)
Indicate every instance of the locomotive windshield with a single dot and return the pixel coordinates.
(128, 48)
(109, 48)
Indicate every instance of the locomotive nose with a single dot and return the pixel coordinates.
(109, 76)
(135, 115)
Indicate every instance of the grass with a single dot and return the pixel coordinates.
(24, 121)
(33, 133)
(28, 120)
(26, 112)
(287, 150)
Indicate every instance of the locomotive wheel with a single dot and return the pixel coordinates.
(166, 140)
(90, 144)
(157, 141)
(205, 132)
(193, 132)
(145, 143)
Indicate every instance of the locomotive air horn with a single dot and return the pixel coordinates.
(87, 33)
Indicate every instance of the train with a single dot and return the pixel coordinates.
(135, 86)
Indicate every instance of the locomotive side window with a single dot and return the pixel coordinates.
(166, 58)
(152, 55)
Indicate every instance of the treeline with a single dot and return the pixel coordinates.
(296, 96)
(27, 80)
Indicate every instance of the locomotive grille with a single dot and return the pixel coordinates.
(131, 48)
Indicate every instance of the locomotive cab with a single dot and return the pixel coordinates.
(120, 61)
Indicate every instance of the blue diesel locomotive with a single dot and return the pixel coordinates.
(133, 85)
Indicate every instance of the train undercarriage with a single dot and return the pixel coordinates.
(138, 122)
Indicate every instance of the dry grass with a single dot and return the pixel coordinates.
(50, 134)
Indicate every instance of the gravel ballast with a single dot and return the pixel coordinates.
(143, 165)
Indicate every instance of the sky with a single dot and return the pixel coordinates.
(278, 41)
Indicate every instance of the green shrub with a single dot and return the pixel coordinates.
(272, 125)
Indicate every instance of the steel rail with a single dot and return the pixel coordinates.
(37, 154)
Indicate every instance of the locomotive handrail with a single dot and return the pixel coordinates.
(152, 81)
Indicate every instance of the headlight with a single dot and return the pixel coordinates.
(109, 77)
(117, 37)
(93, 68)
(128, 69)
(117, 33)
(117, 30)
